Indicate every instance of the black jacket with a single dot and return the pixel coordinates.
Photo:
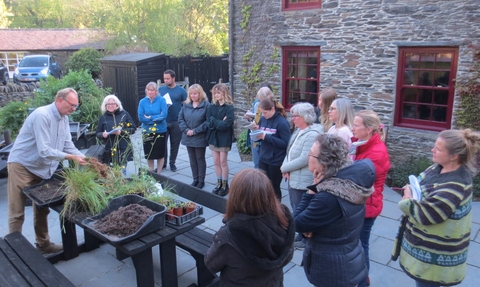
(107, 122)
(334, 255)
(220, 125)
(251, 251)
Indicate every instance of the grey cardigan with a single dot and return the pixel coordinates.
(296, 160)
(195, 119)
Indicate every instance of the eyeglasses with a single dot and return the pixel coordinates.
(331, 109)
(310, 154)
(294, 116)
(71, 105)
(111, 104)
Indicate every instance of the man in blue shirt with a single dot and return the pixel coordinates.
(177, 96)
(43, 141)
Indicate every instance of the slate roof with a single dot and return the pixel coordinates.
(51, 39)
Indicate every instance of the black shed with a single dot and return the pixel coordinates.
(129, 74)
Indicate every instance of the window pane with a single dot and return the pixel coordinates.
(408, 111)
(444, 61)
(411, 60)
(425, 79)
(442, 79)
(425, 96)
(409, 95)
(439, 114)
(424, 112)
(441, 97)
(427, 61)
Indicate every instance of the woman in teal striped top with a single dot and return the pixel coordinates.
(435, 242)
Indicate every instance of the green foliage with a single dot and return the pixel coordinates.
(242, 143)
(4, 14)
(398, 177)
(468, 112)
(246, 13)
(85, 59)
(12, 117)
(90, 96)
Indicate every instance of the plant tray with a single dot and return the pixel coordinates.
(56, 199)
(179, 220)
(153, 223)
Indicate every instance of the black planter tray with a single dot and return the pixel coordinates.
(153, 223)
(55, 200)
(179, 220)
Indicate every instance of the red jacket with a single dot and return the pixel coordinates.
(376, 151)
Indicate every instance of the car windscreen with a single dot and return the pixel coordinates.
(34, 62)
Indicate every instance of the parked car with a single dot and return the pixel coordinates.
(4, 77)
(32, 68)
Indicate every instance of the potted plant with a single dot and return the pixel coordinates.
(178, 209)
(190, 207)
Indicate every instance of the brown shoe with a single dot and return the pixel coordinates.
(51, 248)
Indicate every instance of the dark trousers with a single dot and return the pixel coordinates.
(275, 175)
(175, 135)
(365, 238)
(197, 162)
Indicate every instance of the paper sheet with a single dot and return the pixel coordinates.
(415, 188)
(168, 99)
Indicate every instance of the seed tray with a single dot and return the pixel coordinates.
(180, 220)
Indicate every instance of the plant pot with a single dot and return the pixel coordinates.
(170, 214)
(190, 207)
(178, 211)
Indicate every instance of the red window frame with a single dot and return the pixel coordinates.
(309, 4)
(425, 87)
(300, 75)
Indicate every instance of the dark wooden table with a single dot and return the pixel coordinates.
(140, 250)
(22, 265)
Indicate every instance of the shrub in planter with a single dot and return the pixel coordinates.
(242, 143)
(398, 176)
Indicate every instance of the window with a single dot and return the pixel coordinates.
(301, 66)
(425, 87)
(300, 4)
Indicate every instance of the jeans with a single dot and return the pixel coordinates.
(365, 238)
(275, 175)
(422, 284)
(255, 155)
(175, 134)
(197, 162)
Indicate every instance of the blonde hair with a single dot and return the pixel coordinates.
(327, 96)
(464, 143)
(345, 112)
(370, 119)
(225, 91)
(199, 90)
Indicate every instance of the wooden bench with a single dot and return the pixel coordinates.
(197, 241)
(23, 265)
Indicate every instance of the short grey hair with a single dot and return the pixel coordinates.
(265, 93)
(333, 154)
(305, 110)
(105, 101)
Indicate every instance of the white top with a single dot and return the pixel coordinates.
(344, 132)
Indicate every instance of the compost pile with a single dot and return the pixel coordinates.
(124, 221)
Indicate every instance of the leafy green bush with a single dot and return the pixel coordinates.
(90, 96)
(12, 117)
(85, 59)
(398, 177)
(242, 143)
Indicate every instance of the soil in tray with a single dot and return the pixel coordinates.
(48, 192)
(124, 221)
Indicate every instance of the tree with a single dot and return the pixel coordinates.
(4, 14)
(85, 59)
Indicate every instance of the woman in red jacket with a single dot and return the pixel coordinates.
(368, 142)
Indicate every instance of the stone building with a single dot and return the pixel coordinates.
(396, 57)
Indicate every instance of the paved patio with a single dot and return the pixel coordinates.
(100, 268)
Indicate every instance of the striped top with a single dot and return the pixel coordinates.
(437, 235)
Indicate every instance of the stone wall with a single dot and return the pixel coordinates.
(359, 43)
(16, 92)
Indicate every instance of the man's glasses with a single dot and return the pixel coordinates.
(71, 105)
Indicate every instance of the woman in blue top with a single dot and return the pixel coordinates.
(273, 141)
(152, 112)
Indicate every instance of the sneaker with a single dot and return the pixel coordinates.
(299, 245)
(173, 167)
(51, 248)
